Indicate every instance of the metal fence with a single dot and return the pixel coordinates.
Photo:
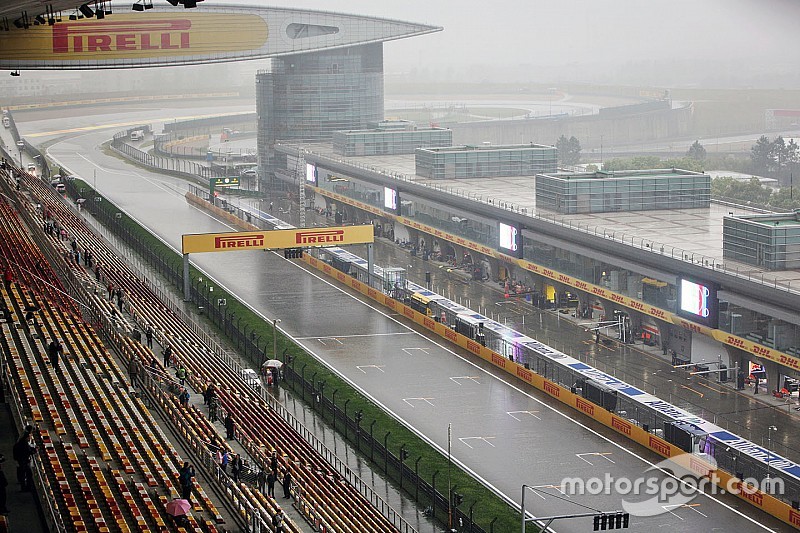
(247, 341)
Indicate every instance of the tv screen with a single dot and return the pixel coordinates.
(509, 239)
(311, 173)
(390, 198)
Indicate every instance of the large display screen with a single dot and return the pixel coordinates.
(510, 240)
(311, 173)
(698, 302)
(390, 198)
(694, 298)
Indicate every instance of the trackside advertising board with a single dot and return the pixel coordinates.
(276, 239)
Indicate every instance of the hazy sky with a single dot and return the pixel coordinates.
(584, 33)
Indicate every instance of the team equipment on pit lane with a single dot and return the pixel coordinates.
(693, 434)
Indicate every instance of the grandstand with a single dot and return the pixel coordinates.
(104, 463)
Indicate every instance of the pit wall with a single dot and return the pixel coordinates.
(754, 349)
(767, 503)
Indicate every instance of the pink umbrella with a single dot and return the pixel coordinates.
(178, 507)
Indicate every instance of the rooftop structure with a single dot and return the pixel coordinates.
(771, 241)
(628, 190)
(389, 137)
(487, 161)
(638, 263)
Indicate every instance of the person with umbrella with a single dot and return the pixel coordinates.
(178, 508)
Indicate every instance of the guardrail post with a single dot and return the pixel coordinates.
(386, 452)
(372, 441)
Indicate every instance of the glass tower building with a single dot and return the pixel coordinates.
(307, 97)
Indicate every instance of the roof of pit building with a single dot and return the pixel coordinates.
(655, 173)
(692, 234)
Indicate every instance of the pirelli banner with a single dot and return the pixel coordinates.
(174, 36)
(277, 239)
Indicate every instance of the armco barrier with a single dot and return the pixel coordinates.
(763, 501)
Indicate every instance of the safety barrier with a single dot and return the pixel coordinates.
(764, 501)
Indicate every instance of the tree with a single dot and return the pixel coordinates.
(762, 156)
(696, 151)
(569, 150)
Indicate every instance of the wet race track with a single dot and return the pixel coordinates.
(503, 432)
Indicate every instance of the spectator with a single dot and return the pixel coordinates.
(230, 427)
(277, 521)
(224, 460)
(185, 478)
(97, 272)
(136, 334)
(54, 350)
(8, 277)
(287, 483)
(110, 290)
(24, 450)
(272, 477)
(133, 370)
(273, 462)
(236, 467)
(180, 374)
(209, 393)
(261, 479)
(184, 396)
(167, 355)
(148, 333)
(212, 409)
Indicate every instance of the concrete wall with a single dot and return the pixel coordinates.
(615, 130)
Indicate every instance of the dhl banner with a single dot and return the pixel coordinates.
(623, 426)
(276, 239)
(596, 290)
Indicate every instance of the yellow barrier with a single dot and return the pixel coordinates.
(221, 213)
(763, 501)
(601, 292)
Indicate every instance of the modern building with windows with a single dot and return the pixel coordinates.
(390, 137)
(661, 270)
(771, 241)
(487, 161)
(627, 190)
(336, 84)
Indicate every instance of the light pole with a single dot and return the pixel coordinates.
(275, 322)
(769, 451)
(20, 147)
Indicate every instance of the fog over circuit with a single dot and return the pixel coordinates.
(716, 43)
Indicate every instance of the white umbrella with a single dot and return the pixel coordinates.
(272, 363)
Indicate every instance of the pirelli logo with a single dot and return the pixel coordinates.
(699, 467)
(585, 406)
(552, 389)
(751, 494)
(659, 446)
(524, 374)
(498, 360)
(121, 36)
(620, 425)
(255, 240)
(319, 237)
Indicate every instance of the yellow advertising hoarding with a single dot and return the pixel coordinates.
(136, 36)
(276, 239)
(596, 290)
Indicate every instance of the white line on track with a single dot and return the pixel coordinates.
(416, 431)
